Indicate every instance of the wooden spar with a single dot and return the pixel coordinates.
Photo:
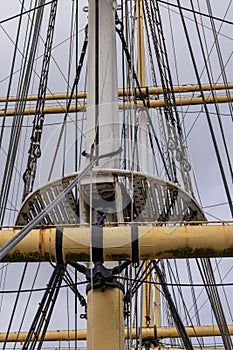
(151, 103)
(147, 295)
(184, 241)
(162, 333)
(149, 90)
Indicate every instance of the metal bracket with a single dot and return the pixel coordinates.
(101, 277)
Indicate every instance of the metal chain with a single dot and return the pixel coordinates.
(35, 151)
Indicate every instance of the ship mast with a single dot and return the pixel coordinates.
(116, 240)
(105, 322)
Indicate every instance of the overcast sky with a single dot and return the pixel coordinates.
(200, 145)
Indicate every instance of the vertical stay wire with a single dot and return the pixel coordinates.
(207, 274)
(216, 148)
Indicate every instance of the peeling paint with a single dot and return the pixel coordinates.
(17, 256)
(41, 242)
(117, 257)
(196, 253)
(77, 257)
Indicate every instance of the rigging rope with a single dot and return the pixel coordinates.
(23, 88)
(76, 80)
(217, 152)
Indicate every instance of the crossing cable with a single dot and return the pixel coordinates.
(226, 187)
(141, 96)
(212, 91)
